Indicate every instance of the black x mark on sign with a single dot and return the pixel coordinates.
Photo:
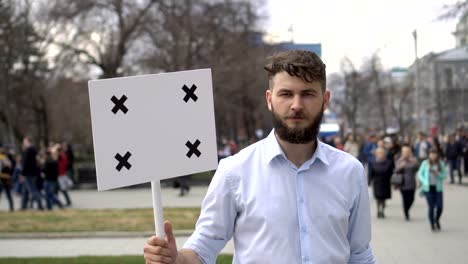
(119, 104)
(123, 161)
(193, 148)
(190, 93)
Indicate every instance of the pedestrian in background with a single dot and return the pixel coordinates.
(337, 143)
(30, 174)
(431, 174)
(465, 151)
(369, 150)
(5, 176)
(380, 174)
(392, 149)
(50, 170)
(407, 165)
(70, 159)
(453, 152)
(351, 146)
(64, 180)
(421, 147)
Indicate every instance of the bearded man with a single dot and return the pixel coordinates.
(288, 198)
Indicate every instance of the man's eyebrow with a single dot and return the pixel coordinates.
(309, 89)
(283, 89)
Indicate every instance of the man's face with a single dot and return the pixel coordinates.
(405, 152)
(26, 143)
(420, 137)
(297, 107)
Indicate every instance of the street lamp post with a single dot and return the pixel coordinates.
(416, 79)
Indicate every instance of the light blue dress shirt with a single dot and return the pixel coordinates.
(278, 213)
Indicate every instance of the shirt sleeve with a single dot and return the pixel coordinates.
(359, 235)
(217, 217)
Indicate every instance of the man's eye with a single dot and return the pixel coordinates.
(309, 94)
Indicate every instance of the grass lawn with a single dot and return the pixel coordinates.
(72, 220)
(203, 176)
(222, 259)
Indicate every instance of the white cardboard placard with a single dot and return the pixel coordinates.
(157, 128)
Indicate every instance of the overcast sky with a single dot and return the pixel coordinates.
(358, 28)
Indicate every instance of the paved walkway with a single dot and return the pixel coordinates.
(394, 240)
(125, 198)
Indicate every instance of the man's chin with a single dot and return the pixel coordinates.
(297, 126)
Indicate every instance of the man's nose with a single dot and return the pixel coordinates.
(297, 103)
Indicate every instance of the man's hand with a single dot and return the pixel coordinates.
(159, 250)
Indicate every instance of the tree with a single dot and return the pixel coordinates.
(99, 33)
(380, 90)
(400, 101)
(22, 72)
(351, 95)
(454, 10)
(190, 34)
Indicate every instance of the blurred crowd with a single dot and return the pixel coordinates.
(39, 176)
(452, 148)
(410, 164)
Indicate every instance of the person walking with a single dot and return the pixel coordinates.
(30, 173)
(50, 170)
(380, 174)
(288, 198)
(351, 146)
(407, 165)
(369, 150)
(465, 151)
(183, 184)
(5, 177)
(421, 147)
(431, 174)
(67, 147)
(453, 152)
(63, 178)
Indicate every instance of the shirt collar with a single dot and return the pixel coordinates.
(320, 153)
(273, 149)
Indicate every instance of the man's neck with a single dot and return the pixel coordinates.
(297, 153)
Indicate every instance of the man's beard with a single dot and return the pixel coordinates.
(297, 135)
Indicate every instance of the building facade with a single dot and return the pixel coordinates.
(440, 83)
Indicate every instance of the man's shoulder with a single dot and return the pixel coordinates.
(249, 154)
(336, 156)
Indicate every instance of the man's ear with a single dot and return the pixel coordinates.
(268, 98)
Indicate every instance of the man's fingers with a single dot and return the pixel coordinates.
(156, 241)
(169, 234)
(157, 250)
(157, 259)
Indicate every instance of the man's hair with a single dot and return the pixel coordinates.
(300, 63)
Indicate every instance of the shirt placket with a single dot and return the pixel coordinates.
(302, 217)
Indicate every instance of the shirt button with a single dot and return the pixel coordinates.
(303, 230)
(301, 200)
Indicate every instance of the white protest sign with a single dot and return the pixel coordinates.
(152, 127)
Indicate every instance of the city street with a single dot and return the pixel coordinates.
(394, 240)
